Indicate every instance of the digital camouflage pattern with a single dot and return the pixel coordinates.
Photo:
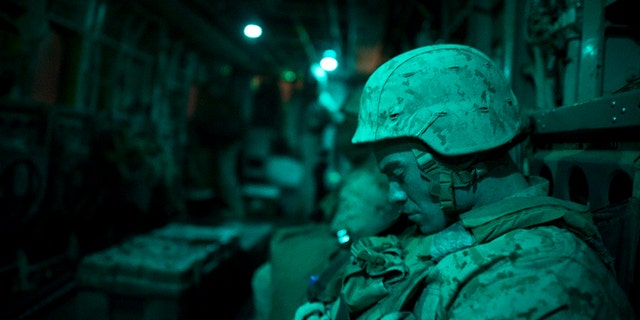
(525, 274)
(451, 97)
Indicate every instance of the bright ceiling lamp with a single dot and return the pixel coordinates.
(252, 31)
(329, 61)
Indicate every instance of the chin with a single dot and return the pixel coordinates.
(428, 230)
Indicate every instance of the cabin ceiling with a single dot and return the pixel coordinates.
(296, 32)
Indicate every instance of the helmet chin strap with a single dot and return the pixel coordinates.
(445, 180)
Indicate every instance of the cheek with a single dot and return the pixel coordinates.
(418, 190)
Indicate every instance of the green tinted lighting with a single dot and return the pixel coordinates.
(252, 31)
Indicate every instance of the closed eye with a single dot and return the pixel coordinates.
(396, 175)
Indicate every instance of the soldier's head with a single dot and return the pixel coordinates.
(437, 118)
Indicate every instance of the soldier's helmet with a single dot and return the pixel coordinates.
(451, 97)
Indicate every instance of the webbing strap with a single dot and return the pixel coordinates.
(447, 198)
(445, 180)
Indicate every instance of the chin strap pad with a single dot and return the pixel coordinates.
(445, 180)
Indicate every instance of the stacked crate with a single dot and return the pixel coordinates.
(157, 275)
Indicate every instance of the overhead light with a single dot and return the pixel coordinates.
(329, 64)
(252, 31)
(329, 61)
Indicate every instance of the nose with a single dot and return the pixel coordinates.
(396, 194)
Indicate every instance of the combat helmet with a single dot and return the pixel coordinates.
(451, 97)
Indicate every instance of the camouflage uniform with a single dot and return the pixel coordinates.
(527, 258)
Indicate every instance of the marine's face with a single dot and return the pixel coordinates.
(408, 190)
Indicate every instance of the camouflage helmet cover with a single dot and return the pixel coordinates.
(452, 97)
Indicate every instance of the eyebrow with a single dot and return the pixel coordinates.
(389, 166)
